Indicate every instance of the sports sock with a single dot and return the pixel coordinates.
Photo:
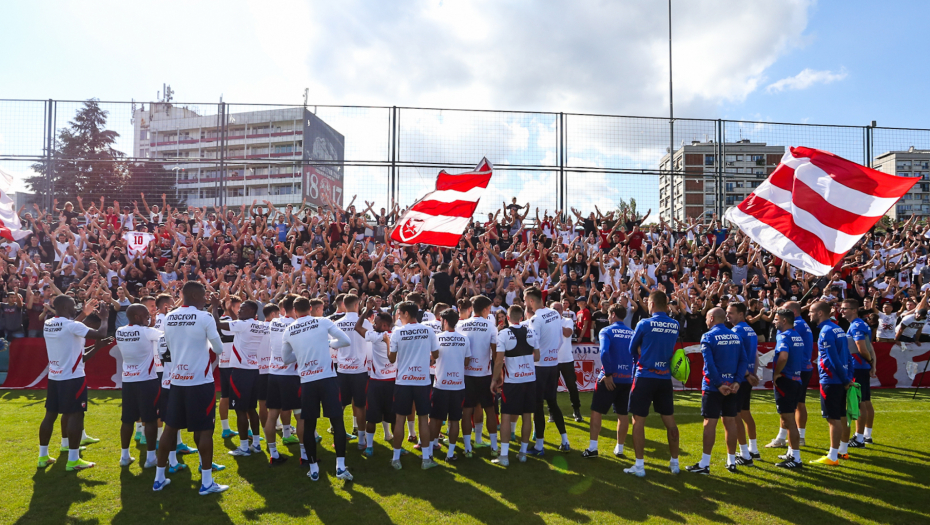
(64, 443)
(744, 451)
(396, 454)
(387, 430)
(43, 451)
(832, 454)
(273, 449)
(138, 426)
(180, 438)
(618, 448)
(411, 428)
(640, 463)
(753, 448)
(493, 441)
(286, 431)
(539, 444)
(592, 445)
(478, 429)
(206, 477)
(797, 456)
(225, 423)
(427, 451)
(159, 474)
(362, 437)
(705, 460)
(83, 435)
(74, 454)
(513, 427)
(124, 454)
(173, 458)
(844, 447)
(451, 451)
(790, 453)
(303, 452)
(673, 462)
(523, 447)
(467, 439)
(315, 468)
(505, 449)
(244, 443)
(859, 437)
(783, 434)
(868, 432)
(341, 463)
(160, 431)
(354, 422)
(256, 441)
(731, 459)
(149, 455)
(564, 439)
(802, 432)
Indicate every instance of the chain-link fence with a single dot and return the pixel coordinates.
(222, 154)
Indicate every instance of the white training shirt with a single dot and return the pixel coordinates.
(264, 350)
(135, 344)
(351, 359)
(275, 342)
(436, 326)
(886, 325)
(162, 347)
(566, 353)
(64, 343)
(160, 326)
(227, 346)
(520, 369)
(547, 323)
(413, 344)
(307, 342)
(248, 337)
(454, 349)
(380, 368)
(187, 333)
(481, 334)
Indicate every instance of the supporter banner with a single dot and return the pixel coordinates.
(899, 366)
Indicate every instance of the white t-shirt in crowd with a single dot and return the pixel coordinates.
(413, 344)
(911, 326)
(307, 342)
(886, 325)
(454, 348)
(248, 338)
(187, 332)
(481, 334)
(135, 345)
(520, 369)
(64, 343)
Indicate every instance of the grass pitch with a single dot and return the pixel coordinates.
(885, 483)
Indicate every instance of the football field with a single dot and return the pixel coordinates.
(885, 483)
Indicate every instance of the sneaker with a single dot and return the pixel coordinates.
(314, 476)
(240, 452)
(868, 440)
(45, 461)
(291, 440)
(825, 460)
(589, 453)
(481, 444)
(536, 452)
(343, 474)
(150, 464)
(469, 454)
(65, 449)
(495, 453)
(521, 457)
(368, 452)
(138, 436)
(389, 438)
(428, 464)
(784, 457)
(743, 462)
(126, 462)
(565, 447)
(802, 442)
(177, 468)
(279, 426)
(80, 464)
(502, 461)
(755, 455)
(350, 437)
(215, 467)
(789, 463)
(842, 456)
(777, 443)
(229, 433)
(184, 449)
(161, 484)
(449, 459)
(412, 439)
(396, 464)
(674, 469)
(550, 420)
(417, 447)
(577, 415)
(87, 440)
(698, 469)
(638, 472)
(362, 446)
(275, 461)
(856, 444)
(215, 488)
(732, 468)
(143, 441)
(255, 449)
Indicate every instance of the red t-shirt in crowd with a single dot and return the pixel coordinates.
(636, 240)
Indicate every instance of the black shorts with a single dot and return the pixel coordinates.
(224, 382)
(547, 383)
(478, 392)
(380, 405)
(262, 387)
(518, 398)
(651, 391)
(864, 379)
(714, 405)
(163, 402)
(140, 401)
(744, 395)
(322, 392)
(446, 404)
(833, 401)
(352, 388)
(406, 396)
(192, 407)
(805, 384)
(787, 392)
(283, 392)
(160, 376)
(243, 389)
(67, 397)
(619, 398)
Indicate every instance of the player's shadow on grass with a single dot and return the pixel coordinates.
(54, 491)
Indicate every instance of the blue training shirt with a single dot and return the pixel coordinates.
(833, 355)
(858, 331)
(790, 341)
(750, 343)
(801, 327)
(724, 359)
(616, 359)
(654, 343)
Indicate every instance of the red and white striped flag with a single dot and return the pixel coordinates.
(441, 216)
(816, 206)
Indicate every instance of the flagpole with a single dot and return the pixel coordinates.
(671, 124)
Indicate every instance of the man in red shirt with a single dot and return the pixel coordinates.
(584, 319)
(635, 239)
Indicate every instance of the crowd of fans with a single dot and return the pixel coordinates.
(584, 261)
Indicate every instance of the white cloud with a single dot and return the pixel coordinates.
(805, 79)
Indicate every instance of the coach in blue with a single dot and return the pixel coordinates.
(835, 366)
(653, 345)
(724, 367)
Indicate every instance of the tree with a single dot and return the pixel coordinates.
(154, 180)
(628, 208)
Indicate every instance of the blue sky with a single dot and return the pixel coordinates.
(837, 62)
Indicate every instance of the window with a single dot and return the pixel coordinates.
(144, 134)
(207, 193)
(730, 186)
(708, 160)
(235, 192)
(731, 158)
(258, 190)
(282, 190)
(284, 149)
(758, 159)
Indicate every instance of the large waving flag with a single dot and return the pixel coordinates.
(441, 216)
(816, 206)
(11, 228)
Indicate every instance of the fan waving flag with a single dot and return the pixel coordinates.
(816, 206)
(11, 228)
(441, 216)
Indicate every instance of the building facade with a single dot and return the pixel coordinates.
(911, 163)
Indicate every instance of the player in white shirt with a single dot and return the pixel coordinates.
(449, 384)
(283, 386)
(243, 380)
(269, 313)
(567, 361)
(381, 373)
(141, 386)
(67, 385)
(482, 338)
(352, 371)
(307, 343)
(231, 309)
(193, 344)
(515, 378)
(547, 323)
(412, 346)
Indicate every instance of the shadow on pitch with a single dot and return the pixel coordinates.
(54, 491)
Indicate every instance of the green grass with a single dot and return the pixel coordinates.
(880, 484)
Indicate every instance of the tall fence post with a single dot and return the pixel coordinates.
(49, 156)
(561, 156)
(392, 184)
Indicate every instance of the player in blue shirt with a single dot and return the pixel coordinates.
(807, 371)
(834, 364)
(653, 345)
(724, 366)
(614, 380)
(863, 356)
(790, 356)
(736, 315)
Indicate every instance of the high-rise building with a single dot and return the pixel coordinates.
(744, 166)
(280, 155)
(910, 163)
